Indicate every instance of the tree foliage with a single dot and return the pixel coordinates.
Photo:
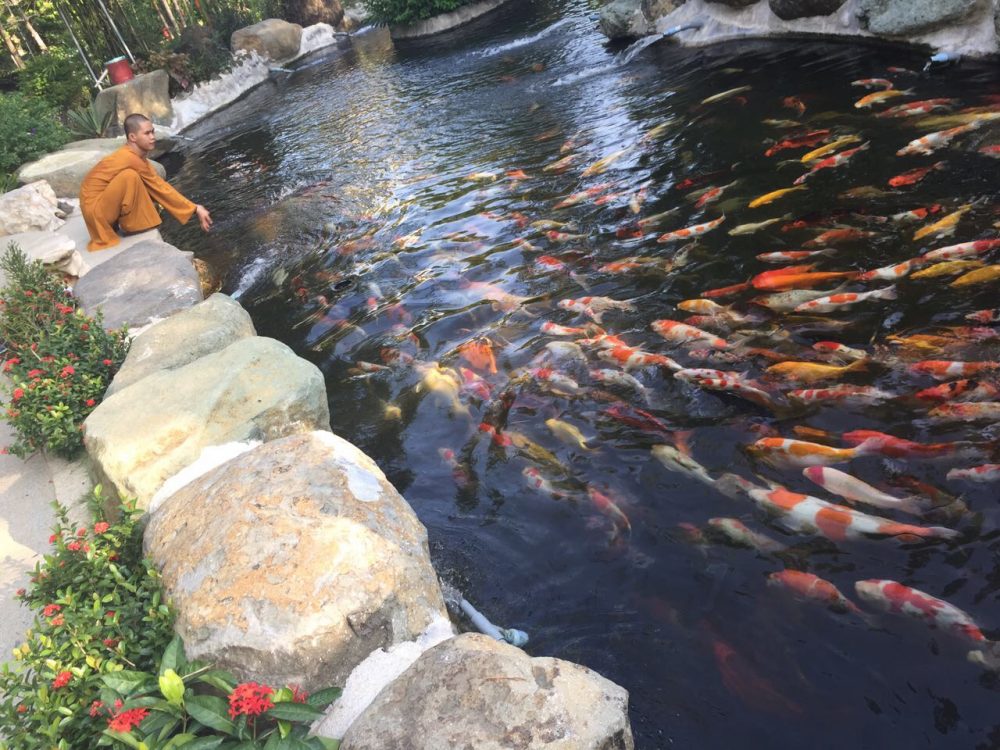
(410, 11)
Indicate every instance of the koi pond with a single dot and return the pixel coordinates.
(655, 407)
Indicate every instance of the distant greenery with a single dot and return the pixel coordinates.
(57, 77)
(410, 11)
(29, 128)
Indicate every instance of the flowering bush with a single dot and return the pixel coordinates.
(60, 361)
(98, 613)
(180, 706)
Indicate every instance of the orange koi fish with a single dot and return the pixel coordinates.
(959, 390)
(984, 316)
(943, 369)
(836, 236)
(611, 509)
(914, 175)
(629, 358)
(790, 281)
(880, 443)
(795, 104)
(809, 139)
(931, 143)
(878, 97)
(693, 231)
(479, 354)
(711, 195)
(681, 333)
(809, 586)
(895, 598)
(742, 680)
(783, 452)
(726, 291)
(966, 412)
(472, 383)
(910, 109)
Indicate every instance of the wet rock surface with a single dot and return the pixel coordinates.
(294, 561)
(474, 692)
(900, 17)
(623, 19)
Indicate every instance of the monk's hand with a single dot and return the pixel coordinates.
(204, 217)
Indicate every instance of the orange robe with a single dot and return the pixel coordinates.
(121, 188)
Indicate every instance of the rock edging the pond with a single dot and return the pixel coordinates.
(290, 557)
(970, 27)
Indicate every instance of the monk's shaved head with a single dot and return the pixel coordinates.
(134, 122)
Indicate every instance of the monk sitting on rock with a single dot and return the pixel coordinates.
(119, 192)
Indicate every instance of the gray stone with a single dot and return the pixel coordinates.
(272, 38)
(254, 389)
(292, 562)
(623, 19)
(29, 208)
(789, 10)
(903, 17)
(734, 3)
(57, 251)
(146, 94)
(474, 692)
(149, 281)
(206, 328)
(65, 169)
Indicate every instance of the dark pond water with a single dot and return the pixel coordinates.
(347, 224)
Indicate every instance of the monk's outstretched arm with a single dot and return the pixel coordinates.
(163, 192)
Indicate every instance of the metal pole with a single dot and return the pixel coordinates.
(115, 30)
(76, 44)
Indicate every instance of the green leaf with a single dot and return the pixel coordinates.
(324, 743)
(294, 711)
(128, 739)
(173, 656)
(181, 740)
(172, 686)
(323, 698)
(211, 711)
(204, 743)
(127, 681)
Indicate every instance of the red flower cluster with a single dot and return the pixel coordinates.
(250, 699)
(50, 609)
(124, 721)
(298, 696)
(95, 708)
(73, 546)
(101, 526)
(18, 394)
(66, 371)
(33, 374)
(62, 680)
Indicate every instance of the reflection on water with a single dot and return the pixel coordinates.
(401, 217)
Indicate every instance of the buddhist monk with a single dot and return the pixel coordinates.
(120, 191)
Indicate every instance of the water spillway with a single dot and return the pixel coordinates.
(378, 210)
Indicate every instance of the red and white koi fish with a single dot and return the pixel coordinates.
(837, 160)
(595, 307)
(984, 473)
(575, 198)
(911, 109)
(841, 351)
(681, 333)
(992, 151)
(798, 141)
(794, 103)
(944, 369)
(917, 214)
(560, 382)
(538, 482)
(791, 256)
(737, 532)
(972, 411)
(962, 250)
(474, 384)
(984, 316)
(845, 299)
(893, 272)
(841, 394)
(914, 175)
(711, 195)
(610, 508)
(960, 390)
(629, 358)
(783, 452)
(693, 231)
(809, 586)
(603, 341)
(553, 329)
(458, 472)
(853, 489)
(788, 301)
(555, 236)
(895, 598)
(637, 418)
(878, 97)
(561, 165)
(730, 382)
(874, 83)
(880, 443)
(932, 142)
(835, 522)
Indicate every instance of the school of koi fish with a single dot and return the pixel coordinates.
(774, 349)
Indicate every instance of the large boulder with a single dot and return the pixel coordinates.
(734, 3)
(254, 389)
(903, 17)
(272, 38)
(149, 281)
(65, 169)
(308, 12)
(29, 208)
(147, 94)
(623, 19)
(292, 562)
(789, 10)
(474, 692)
(206, 328)
(55, 250)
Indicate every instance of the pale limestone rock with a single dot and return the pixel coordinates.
(254, 389)
(208, 327)
(147, 94)
(272, 39)
(29, 208)
(474, 692)
(903, 17)
(65, 169)
(292, 562)
(623, 19)
(57, 251)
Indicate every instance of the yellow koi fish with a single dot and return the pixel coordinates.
(829, 148)
(772, 196)
(944, 227)
(878, 97)
(601, 165)
(979, 276)
(948, 268)
(811, 372)
(725, 94)
(568, 434)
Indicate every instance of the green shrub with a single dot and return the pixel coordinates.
(87, 122)
(59, 363)
(28, 128)
(98, 613)
(56, 77)
(409, 11)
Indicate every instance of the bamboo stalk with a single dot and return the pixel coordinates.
(15, 56)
